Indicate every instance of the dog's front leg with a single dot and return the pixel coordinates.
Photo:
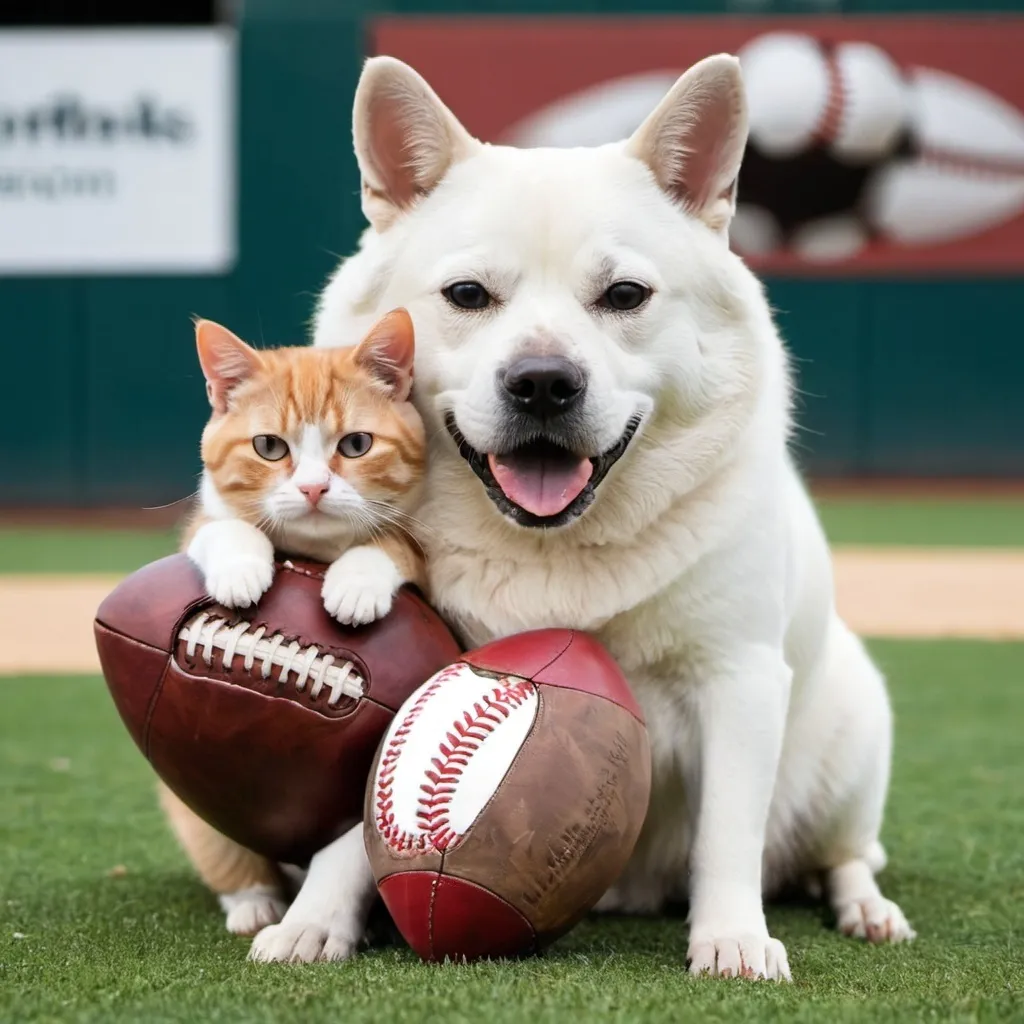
(741, 714)
(328, 917)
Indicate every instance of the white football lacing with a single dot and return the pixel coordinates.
(212, 633)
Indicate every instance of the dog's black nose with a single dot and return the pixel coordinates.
(544, 386)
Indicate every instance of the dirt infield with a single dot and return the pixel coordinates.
(882, 592)
(48, 623)
(932, 592)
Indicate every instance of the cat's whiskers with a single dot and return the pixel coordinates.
(299, 396)
(170, 504)
(267, 522)
(368, 522)
(398, 517)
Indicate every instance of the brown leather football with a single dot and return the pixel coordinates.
(264, 721)
(507, 796)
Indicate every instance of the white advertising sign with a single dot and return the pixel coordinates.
(117, 151)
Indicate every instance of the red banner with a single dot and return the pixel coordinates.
(877, 144)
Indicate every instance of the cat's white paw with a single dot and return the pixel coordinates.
(300, 943)
(236, 559)
(240, 584)
(251, 910)
(360, 586)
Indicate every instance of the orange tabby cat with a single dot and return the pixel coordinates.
(320, 454)
(314, 452)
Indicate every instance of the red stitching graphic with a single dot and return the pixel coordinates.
(986, 165)
(996, 167)
(835, 107)
(461, 741)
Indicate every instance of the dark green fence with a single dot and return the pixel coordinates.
(103, 402)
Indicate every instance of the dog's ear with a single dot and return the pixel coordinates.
(694, 140)
(405, 138)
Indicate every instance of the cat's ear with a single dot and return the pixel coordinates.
(405, 139)
(387, 352)
(694, 140)
(226, 361)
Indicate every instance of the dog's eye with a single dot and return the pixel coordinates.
(467, 295)
(354, 445)
(270, 447)
(625, 295)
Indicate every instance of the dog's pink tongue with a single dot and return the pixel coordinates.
(542, 485)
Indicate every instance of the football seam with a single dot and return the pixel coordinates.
(599, 696)
(289, 566)
(151, 710)
(499, 673)
(158, 689)
(303, 660)
(435, 884)
(134, 639)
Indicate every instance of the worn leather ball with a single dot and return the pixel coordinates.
(507, 796)
(264, 721)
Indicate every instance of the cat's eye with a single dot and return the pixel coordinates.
(467, 295)
(270, 447)
(354, 445)
(624, 296)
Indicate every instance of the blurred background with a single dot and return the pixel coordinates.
(185, 157)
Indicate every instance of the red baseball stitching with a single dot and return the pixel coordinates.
(462, 740)
(394, 836)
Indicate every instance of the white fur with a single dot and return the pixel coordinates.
(700, 564)
(327, 919)
(236, 559)
(361, 585)
(249, 911)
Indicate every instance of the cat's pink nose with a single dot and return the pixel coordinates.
(314, 492)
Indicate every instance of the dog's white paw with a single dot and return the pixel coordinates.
(742, 956)
(360, 586)
(237, 562)
(300, 943)
(875, 919)
(249, 911)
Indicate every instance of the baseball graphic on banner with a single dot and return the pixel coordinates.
(853, 153)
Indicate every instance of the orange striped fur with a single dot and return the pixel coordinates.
(344, 391)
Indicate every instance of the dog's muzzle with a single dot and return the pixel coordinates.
(542, 482)
(543, 388)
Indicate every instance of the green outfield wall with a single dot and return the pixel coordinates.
(103, 401)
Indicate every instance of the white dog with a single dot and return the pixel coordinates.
(609, 403)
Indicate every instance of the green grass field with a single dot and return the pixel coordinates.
(146, 943)
(79, 945)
